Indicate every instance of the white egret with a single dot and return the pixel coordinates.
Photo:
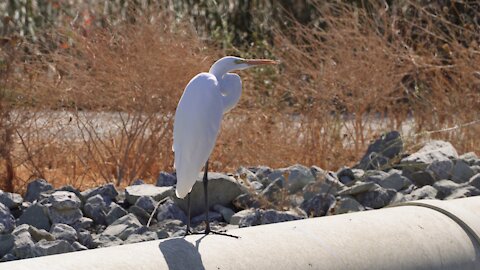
(207, 97)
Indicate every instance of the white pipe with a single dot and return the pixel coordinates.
(416, 235)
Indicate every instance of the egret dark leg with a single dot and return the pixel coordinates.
(187, 231)
(205, 190)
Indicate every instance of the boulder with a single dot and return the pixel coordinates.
(422, 178)
(142, 215)
(115, 212)
(35, 187)
(44, 247)
(64, 232)
(247, 200)
(446, 187)
(123, 227)
(132, 193)
(107, 191)
(319, 205)
(165, 179)
(376, 198)
(212, 216)
(169, 210)
(463, 192)
(395, 180)
(136, 238)
(441, 169)
(6, 244)
(23, 245)
(37, 216)
(253, 217)
(78, 247)
(10, 200)
(432, 151)
(298, 177)
(62, 200)
(461, 172)
(146, 203)
(388, 146)
(95, 208)
(226, 212)
(106, 240)
(425, 192)
(7, 221)
(85, 238)
(66, 216)
(475, 181)
(39, 234)
(347, 204)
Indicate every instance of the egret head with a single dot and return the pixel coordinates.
(231, 63)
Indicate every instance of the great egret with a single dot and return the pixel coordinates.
(207, 97)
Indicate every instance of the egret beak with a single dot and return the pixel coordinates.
(256, 62)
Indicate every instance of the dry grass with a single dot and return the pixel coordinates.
(339, 86)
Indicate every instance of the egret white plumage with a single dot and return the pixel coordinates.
(207, 97)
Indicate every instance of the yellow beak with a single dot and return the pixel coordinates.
(256, 62)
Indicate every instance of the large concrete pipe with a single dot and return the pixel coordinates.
(416, 235)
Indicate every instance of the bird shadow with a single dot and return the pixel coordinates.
(181, 254)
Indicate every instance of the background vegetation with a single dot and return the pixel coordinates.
(88, 88)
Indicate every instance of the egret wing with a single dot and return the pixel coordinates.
(197, 122)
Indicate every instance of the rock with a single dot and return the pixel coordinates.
(347, 204)
(78, 247)
(8, 257)
(22, 242)
(106, 240)
(298, 177)
(66, 216)
(36, 187)
(166, 180)
(445, 188)
(212, 216)
(461, 172)
(376, 198)
(425, 192)
(257, 186)
(64, 232)
(82, 223)
(123, 227)
(62, 200)
(470, 158)
(441, 169)
(247, 200)
(432, 151)
(37, 216)
(345, 175)
(6, 244)
(142, 215)
(95, 208)
(138, 182)
(388, 146)
(116, 212)
(7, 221)
(273, 191)
(319, 205)
(39, 234)
(167, 227)
(10, 200)
(325, 183)
(463, 192)
(85, 238)
(169, 210)
(475, 181)
(274, 216)
(107, 191)
(422, 178)
(475, 168)
(137, 238)
(132, 193)
(222, 189)
(44, 247)
(397, 199)
(235, 219)
(395, 181)
(70, 188)
(358, 187)
(226, 212)
(253, 217)
(245, 173)
(373, 161)
(146, 203)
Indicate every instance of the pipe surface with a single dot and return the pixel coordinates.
(415, 235)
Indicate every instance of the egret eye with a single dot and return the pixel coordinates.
(239, 61)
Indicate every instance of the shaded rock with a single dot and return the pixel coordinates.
(65, 216)
(376, 198)
(62, 200)
(116, 212)
(226, 212)
(358, 187)
(85, 238)
(245, 173)
(8, 257)
(64, 232)
(72, 189)
(257, 186)
(345, 175)
(44, 247)
(106, 240)
(132, 193)
(441, 169)
(35, 187)
(347, 204)
(95, 208)
(397, 199)
(6, 244)
(273, 191)
(78, 247)
(274, 216)
(425, 192)
(373, 161)
(475, 181)
(298, 177)
(169, 210)
(247, 200)
(463, 192)
(241, 215)
(82, 223)
(461, 172)
(422, 178)
(7, 221)
(39, 234)
(395, 181)
(470, 158)
(123, 227)
(10, 200)
(22, 242)
(165, 179)
(212, 216)
(326, 183)
(222, 189)
(37, 216)
(141, 214)
(446, 187)
(432, 151)
(107, 191)
(167, 227)
(388, 146)
(146, 203)
(138, 182)
(137, 238)
(319, 205)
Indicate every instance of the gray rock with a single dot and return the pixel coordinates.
(44, 247)
(167, 227)
(441, 169)
(319, 205)
(63, 200)
(36, 187)
(78, 247)
(10, 200)
(475, 168)
(6, 244)
(326, 183)
(65, 216)
(432, 151)
(7, 221)
(397, 199)
(422, 178)
(345, 175)
(274, 216)
(8, 257)
(106, 240)
(245, 173)
(37, 216)
(463, 192)
(132, 193)
(146, 203)
(85, 238)
(237, 217)
(169, 210)
(72, 189)
(137, 238)
(222, 189)
(95, 208)
(142, 215)
(386, 147)
(446, 187)
(273, 191)
(425, 192)
(138, 182)
(116, 212)
(123, 227)
(107, 191)
(257, 186)
(373, 161)
(475, 181)
(395, 181)
(247, 200)
(461, 172)
(347, 204)
(64, 232)
(470, 158)
(376, 198)
(212, 216)
(226, 212)
(39, 234)
(298, 177)
(22, 242)
(358, 188)
(166, 180)
(82, 223)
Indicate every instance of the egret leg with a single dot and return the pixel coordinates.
(187, 231)
(205, 190)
